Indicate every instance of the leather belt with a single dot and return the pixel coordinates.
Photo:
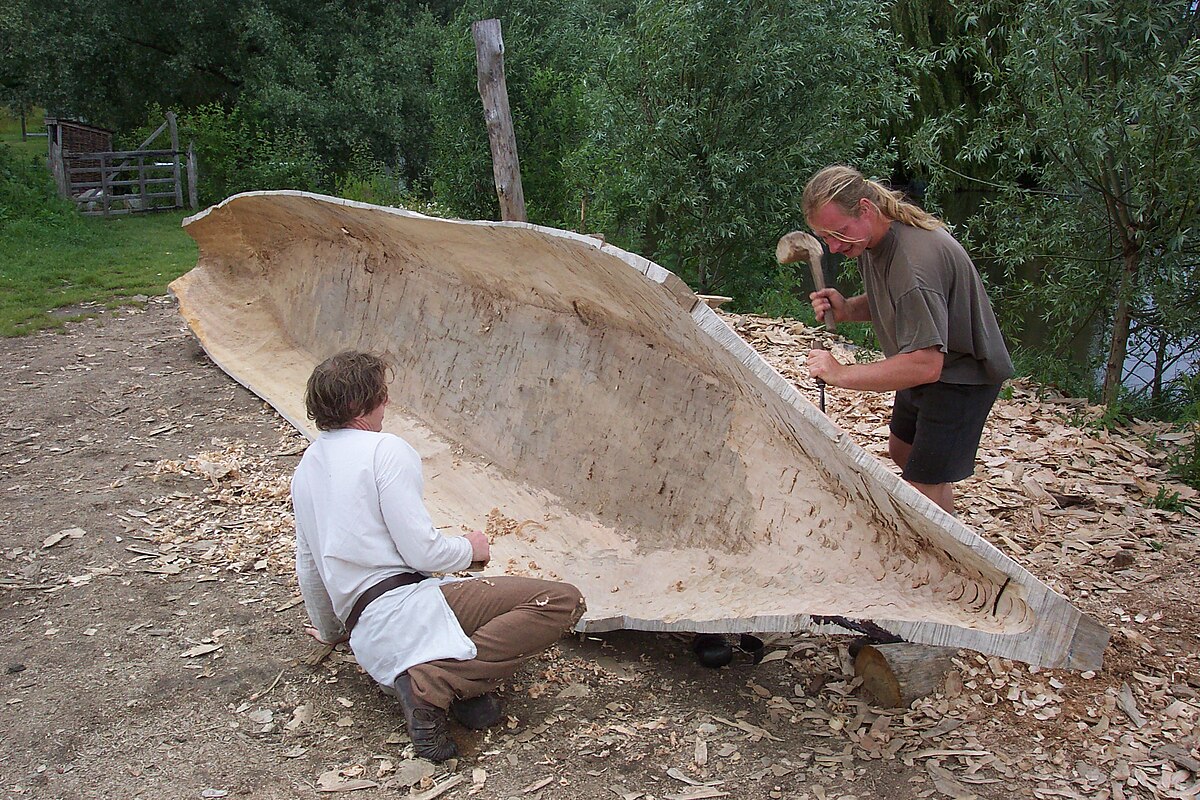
(377, 590)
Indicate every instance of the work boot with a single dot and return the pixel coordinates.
(477, 713)
(426, 723)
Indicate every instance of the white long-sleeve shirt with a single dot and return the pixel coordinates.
(360, 517)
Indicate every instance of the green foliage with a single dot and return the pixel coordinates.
(236, 153)
(27, 194)
(551, 54)
(347, 77)
(371, 181)
(1184, 464)
(17, 65)
(710, 117)
(107, 62)
(948, 90)
(1090, 122)
(1167, 501)
(683, 131)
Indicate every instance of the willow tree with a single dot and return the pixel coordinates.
(710, 117)
(1092, 123)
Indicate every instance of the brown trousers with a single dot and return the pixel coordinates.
(510, 620)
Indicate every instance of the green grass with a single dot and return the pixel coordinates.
(55, 266)
(10, 133)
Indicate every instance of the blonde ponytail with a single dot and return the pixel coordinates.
(845, 186)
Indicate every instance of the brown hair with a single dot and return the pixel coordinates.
(845, 186)
(345, 386)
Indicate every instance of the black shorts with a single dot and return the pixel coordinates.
(943, 423)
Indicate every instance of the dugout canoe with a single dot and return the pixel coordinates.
(619, 434)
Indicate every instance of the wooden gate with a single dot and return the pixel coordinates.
(125, 181)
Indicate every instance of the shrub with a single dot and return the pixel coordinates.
(27, 193)
(236, 153)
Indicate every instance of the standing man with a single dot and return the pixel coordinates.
(365, 546)
(945, 356)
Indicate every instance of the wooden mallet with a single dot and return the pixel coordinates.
(801, 246)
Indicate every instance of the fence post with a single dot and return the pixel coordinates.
(141, 167)
(175, 149)
(104, 185)
(59, 170)
(506, 167)
(193, 200)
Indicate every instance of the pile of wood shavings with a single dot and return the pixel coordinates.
(1072, 502)
(240, 520)
(1075, 504)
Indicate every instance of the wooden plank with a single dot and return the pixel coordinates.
(142, 180)
(149, 182)
(691, 486)
(142, 147)
(114, 155)
(175, 159)
(124, 168)
(493, 90)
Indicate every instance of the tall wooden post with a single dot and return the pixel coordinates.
(105, 182)
(175, 149)
(59, 169)
(193, 201)
(506, 167)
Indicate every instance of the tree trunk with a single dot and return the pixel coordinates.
(1160, 367)
(506, 167)
(1119, 342)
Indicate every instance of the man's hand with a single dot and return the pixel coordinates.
(313, 632)
(822, 365)
(480, 549)
(829, 301)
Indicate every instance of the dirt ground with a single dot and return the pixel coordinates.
(138, 663)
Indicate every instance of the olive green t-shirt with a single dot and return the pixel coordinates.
(924, 291)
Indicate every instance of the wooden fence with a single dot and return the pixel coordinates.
(127, 181)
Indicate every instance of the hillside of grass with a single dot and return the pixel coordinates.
(56, 265)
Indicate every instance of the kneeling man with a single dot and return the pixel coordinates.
(365, 546)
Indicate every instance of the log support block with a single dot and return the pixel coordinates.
(897, 674)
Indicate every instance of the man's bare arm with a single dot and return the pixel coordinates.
(901, 371)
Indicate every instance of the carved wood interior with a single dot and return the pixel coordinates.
(644, 451)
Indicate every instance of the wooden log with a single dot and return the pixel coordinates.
(506, 167)
(897, 674)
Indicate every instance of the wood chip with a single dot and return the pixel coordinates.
(439, 789)
(753, 730)
(69, 533)
(533, 787)
(201, 650)
(696, 793)
(1175, 753)
(334, 781)
(1127, 704)
(945, 783)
